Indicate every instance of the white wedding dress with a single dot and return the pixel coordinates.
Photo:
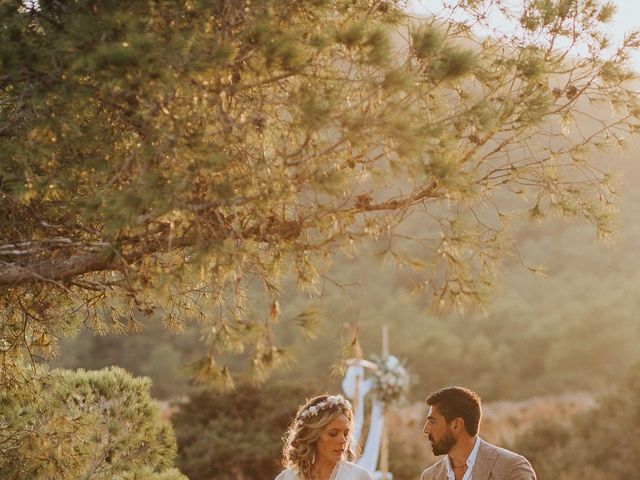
(344, 471)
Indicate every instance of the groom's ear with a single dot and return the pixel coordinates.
(458, 424)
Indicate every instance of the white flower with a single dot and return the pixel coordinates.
(392, 362)
(328, 403)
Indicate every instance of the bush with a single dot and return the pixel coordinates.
(236, 435)
(601, 444)
(84, 424)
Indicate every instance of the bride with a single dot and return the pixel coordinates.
(317, 442)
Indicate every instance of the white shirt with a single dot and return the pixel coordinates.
(471, 460)
(344, 471)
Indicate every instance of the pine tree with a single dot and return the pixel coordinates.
(163, 155)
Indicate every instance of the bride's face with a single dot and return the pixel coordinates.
(334, 440)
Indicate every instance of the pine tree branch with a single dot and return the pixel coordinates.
(56, 270)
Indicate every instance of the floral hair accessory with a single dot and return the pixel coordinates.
(330, 402)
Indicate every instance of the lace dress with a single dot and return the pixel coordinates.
(343, 471)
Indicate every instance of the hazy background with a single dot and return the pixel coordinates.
(545, 349)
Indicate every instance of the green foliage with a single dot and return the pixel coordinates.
(167, 157)
(236, 435)
(77, 424)
(599, 444)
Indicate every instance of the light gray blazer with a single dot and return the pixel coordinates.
(492, 463)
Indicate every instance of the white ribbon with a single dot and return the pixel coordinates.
(369, 458)
(355, 376)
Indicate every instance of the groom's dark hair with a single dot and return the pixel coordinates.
(454, 402)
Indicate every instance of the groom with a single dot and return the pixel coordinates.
(452, 428)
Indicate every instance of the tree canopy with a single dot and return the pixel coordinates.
(167, 155)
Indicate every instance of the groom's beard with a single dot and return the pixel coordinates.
(444, 445)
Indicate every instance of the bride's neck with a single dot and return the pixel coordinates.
(324, 469)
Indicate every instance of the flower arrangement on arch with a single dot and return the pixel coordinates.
(391, 379)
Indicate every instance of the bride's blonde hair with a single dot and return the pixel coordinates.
(305, 429)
